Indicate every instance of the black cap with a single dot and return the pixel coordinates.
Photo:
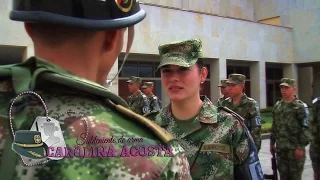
(87, 14)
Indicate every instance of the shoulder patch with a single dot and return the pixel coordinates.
(155, 97)
(162, 134)
(315, 100)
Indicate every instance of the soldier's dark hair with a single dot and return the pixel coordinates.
(200, 63)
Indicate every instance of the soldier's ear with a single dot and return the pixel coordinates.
(203, 73)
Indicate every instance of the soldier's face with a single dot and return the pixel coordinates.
(225, 91)
(132, 87)
(147, 90)
(287, 91)
(181, 83)
(235, 89)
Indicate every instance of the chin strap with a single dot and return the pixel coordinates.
(129, 44)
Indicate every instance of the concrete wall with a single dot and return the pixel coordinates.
(241, 9)
(222, 37)
(12, 33)
(303, 16)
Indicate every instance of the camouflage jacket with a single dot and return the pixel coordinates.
(248, 108)
(154, 103)
(225, 143)
(106, 116)
(139, 103)
(315, 121)
(290, 125)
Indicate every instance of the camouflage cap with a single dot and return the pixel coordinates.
(223, 83)
(287, 82)
(236, 79)
(147, 84)
(134, 79)
(29, 144)
(181, 53)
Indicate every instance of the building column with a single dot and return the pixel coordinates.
(29, 52)
(291, 71)
(218, 71)
(114, 88)
(305, 84)
(258, 83)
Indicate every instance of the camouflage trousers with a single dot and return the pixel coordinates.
(289, 167)
(315, 158)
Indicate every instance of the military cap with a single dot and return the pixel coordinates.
(236, 79)
(29, 144)
(147, 84)
(88, 14)
(287, 82)
(134, 79)
(181, 53)
(223, 83)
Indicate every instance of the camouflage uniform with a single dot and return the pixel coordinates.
(103, 120)
(223, 83)
(154, 101)
(289, 132)
(315, 131)
(215, 141)
(106, 114)
(138, 103)
(247, 108)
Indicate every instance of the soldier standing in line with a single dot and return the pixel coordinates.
(138, 101)
(224, 89)
(76, 44)
(315, 143)
(154, 101)
(245, 106)
(289, 132)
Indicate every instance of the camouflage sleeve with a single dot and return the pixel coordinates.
(315, 120)
(144, 105)
(177, 169)
(273, 129)
(303, 117)
(240, 143)
(255, 121)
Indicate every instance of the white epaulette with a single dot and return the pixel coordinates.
(315, 100)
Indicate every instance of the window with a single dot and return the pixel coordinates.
(141, 69)
(239, 70)
(274, 73)
(129, 70)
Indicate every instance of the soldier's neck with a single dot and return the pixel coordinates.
(80, 63)
(136, 92)
(186, 109)
(237, 99)
(289, 99)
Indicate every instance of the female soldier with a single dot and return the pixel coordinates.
(216, 143)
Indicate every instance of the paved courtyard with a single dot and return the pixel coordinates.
(265, 159)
